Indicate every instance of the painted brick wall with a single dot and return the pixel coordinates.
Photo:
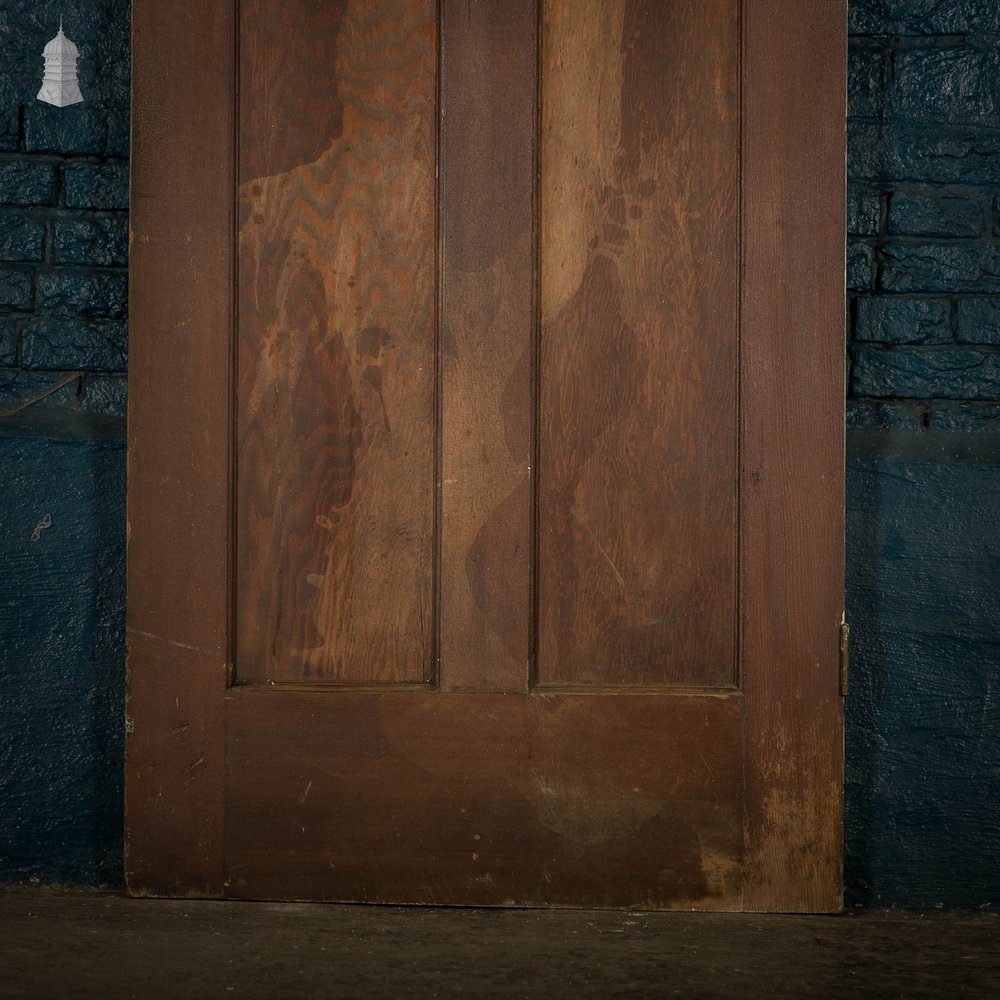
(923, 256)
(63, 283)
(923, 471)
(63, 210)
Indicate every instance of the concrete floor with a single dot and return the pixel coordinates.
(56, 944)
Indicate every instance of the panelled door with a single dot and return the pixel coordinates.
(485, 457)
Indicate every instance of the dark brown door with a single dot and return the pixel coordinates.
(485, 456)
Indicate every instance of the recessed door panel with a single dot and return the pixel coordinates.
(639, 243)
(336, 341)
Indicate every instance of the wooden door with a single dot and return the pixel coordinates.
(485, 453)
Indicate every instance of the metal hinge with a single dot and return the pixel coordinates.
(845, 657)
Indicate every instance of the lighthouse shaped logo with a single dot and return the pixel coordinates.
(59, 84)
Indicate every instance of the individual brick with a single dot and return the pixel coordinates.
(26, 183)
(15, 289)
(996, 215)
(865, 74)
(965, 417)
(96, 186)
(10, 117)
(8, 342)
(903, 321)
(947, 85)
(941, 268)
(76, 130)
(931, 17)
(945, 215)
(880, 413)
(95, 294)
(864, 210)
(57, 343)
(105, 394)
(915, 373)
(860, 266)
(21, 239)
(900, 151)
(19, 389)
(978, 321)
(867, 17)
(118, 132)
(101, 242)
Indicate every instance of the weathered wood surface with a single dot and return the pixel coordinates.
(655, 798)
(180, 292)
(792, 450)
(336, 428)
(424, 797)
(638, 354)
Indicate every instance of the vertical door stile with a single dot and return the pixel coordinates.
(487, 319)
(180, 316)
(792, 374)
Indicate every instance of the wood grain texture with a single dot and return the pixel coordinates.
(180, 291)
(487, 244)
(336, 341)
(638, 352)
(665, 799)
(792, 450)
(493, 799)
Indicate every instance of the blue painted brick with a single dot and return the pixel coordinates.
(97, 294)
(919, 373)
(79, 129)
(881, 413)
(9, 128)
(101, 186)
(903, 321)
(941, 268)
(20, 389)
(865, 72)
(10, 115)
(965, 417)
(864, 210)
(922, 721)
(58, 343)
(934, 17)
(24, 183)
(867, 17)
(8, 343)
(996, 215)
(92, 241)
(860, 266)
(900, 151)
(932, 214)
(947, 86)
(61, 676)
(15, 289)
(979, 321)
(118, 134)
(21, 239)
(105, 394)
